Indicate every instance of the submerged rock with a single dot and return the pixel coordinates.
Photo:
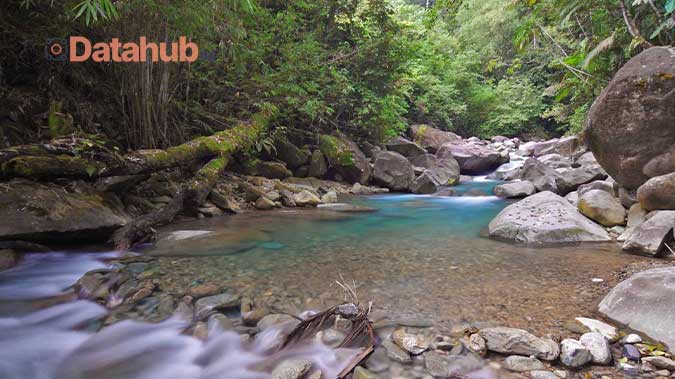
(545, 218)
(50, 212)
(630, 125)
(206, 305)
(519, 342)
(638, 302)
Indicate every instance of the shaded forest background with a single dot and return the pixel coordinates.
(368, 68)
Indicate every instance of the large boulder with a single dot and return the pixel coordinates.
(644, 303)
(444, 172)
(424, 161)
(630, 125)
(270, 170)
(515, 189)
(540, 174)
(49, 212)
(658, 192)
(431, 138)
(473, 158)
(317, 165)
(519, 342)
(650, 237)
(405, 147)
(602, 207)
(392, 170)
(569, 180)
(545, 218)
(345, 157)
(290, 154)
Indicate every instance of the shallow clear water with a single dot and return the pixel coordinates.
(416, 256)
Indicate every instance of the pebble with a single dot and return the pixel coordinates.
(293, 369)
(395, 352)
(542, 374)
(631, 338)
(574, 354)
(521, 364)
(598, 345)
(631, 353)
(412, 343)
(203, 290)
(660, 362)
(477, 344)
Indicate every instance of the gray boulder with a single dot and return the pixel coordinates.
(598, 345)
(545, 218)
(431, 138)
(603, 185)
(424, 160)
(317, 165)
(405, 147)
(564, 146)
(49, 212)
(540, 174)
(519, 342)
(569, 180)
(473, 158)
(270, 170)
(345, 158)
(445, 172)
(630, 125)
(290, 154)
(636, 216)
(650, 237)
(556, 161)
(639, 302)
(515, 190)
(574, 354)
(519, 363)
(602, 207)
(393, 171)
(658, 193)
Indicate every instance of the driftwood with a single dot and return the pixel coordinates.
(361, 334)
(81, 158)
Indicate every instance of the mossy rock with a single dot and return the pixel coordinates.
(345, 158)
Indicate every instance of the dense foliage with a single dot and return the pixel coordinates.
(364, 67)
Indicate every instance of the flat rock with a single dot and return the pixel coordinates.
(515, 190)
(660, 362)
(541, 374)
(431, 138)
(306, 199)
(206, 305)
(346, 207)
(658, 193)
(545, 218)
(597, 326)
(292, 369)
(275, 320)
(519, 342)
(638, 302)
(412, 343)
(519, 363)
(405, 147)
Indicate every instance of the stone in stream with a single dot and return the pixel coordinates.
(219, 321)
(412, 343)
(473, 158)
(602, 207)
(329, 197)
(519, 363)
(477, 344)
(603, 185)
(436, 364)
(445, 172)
(206, 305)
(574, 354)
(405, 147)
(650, 237)
(597, 326)
(424, 160)
(555, 161)
(270, 170)
(658, 193)
(545, 218)
(629, 128)
(598, 345)
(346, 208)
(264, 204)
(345, 158)
(570, 180)
(395, 352)
(540, 174)
(363, 373)
(638, 302)
(520, 342)
(275, 320)
(306, 199)
(573, 198)
(566, 146)
(431, 138)
(392, 170)
(541, 374)
(292, 369)
(515, 190)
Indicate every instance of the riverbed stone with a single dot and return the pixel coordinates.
(431, 138)
(317, 165)
(540, 174)
(444, 172)
(395, 352)
(545, 218)
(573, 198)
(602, 207)
(414, 344)
(660, 362)
(345, 158)
(329, 197)
(542, 374)
(203, 290)
(650, 237)
(515, 190)
(574, 354)
(270, 170)
(597, 326)
(473, 158)
(519, 363)
(603, 185)
(520, 342)
(275, 320)
(49, 212)
(306, 199)
(638, 302)
(392, 170)
(566, 146)
(658, 193)
(569, 180)
(629, 128)
(598, 345)
(292, 369)
(436, 364)
(423, 161)
(206, 305)
(477, 344)
(8, 259)
(636, 216)
(405, 147)
(264, 204)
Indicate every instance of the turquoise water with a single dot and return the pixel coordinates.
(414, 256)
